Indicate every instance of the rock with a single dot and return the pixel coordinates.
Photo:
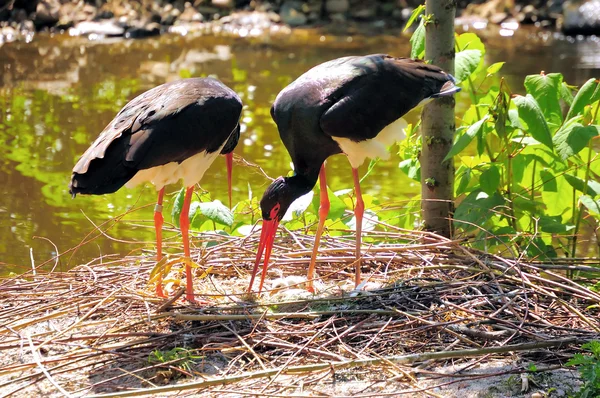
(228, 4)
(190, 14)
(102, 28)
(46, 13)
(337, 6)
(291, 13)
(498, 18)
(147, 30)
(581, 17)
(528, 14)
(364, 13)
(170, 15)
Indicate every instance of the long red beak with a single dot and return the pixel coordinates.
(229, 160)
(267, 236)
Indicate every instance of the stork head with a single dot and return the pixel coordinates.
(274, 204)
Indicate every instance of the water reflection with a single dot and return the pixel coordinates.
(57, 93)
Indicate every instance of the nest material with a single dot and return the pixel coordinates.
(98, 329)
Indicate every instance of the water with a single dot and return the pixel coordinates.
(58, 93)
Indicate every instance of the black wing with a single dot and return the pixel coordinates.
(381, 90)
(167, 124)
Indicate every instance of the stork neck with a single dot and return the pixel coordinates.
(301, 184)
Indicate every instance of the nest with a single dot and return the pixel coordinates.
(427, 301)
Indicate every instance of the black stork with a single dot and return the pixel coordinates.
(351, 105)
(171, 132)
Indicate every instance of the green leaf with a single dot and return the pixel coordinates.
(463, 141)
(337, 205)
(476, 209)
(592, 189)
(587, 94)
(372, 165)
(548, 181)
(412, 168)
(592, 205)
(494, 68)
(298, 206)
(566, 94)
(214, 211)
(554, 225)
(417, 41)
(469, 41)
(490, 180)
(369, 221)
(572, 137)
(465, 177)
(532, 119)
(413, 17)
(466, 63)
(177, 206)
(545, 90)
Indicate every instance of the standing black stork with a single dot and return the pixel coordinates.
(351, 105)
(171, 132)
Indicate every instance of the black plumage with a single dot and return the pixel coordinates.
(171, 132)
(341, 106)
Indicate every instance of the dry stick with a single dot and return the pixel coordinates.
(36, 358)
(401, 359)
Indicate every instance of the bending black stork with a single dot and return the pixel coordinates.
(351, 105)
(171, 132)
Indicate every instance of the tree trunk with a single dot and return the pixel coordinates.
(437, 178)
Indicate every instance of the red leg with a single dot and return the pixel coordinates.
(158, 223)
(323, 211)
(184, 224)
(359, 211)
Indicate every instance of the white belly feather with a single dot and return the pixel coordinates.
(376, 147)
(190, 170)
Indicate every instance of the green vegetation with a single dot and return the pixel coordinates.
(527, 170)
(588, 365)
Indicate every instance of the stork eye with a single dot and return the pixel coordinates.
(275, 211)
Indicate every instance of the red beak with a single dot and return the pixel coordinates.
(229, 160)
(267, 236)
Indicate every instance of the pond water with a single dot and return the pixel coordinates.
(57, 94)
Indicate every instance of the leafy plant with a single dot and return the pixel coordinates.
(178, 356)
(588, 365)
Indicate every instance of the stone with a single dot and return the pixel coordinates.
(291, 13)
(147, 30)
(228, 4)
(337, 6)
(364, 13)
(102, 28)
(47, 13)
(190, 14)
(498, 18)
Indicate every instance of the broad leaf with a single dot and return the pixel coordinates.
(412, 168)
(369, 221)
(548, 181)
(494, 68)
(464, 175)
(572, 137)
(592, 188)
(214, 211)
(554, 225)
(177, 206)
(490, 180)
(466, 63)
(417, 41)
(413, 17)
(476, 209)
(298, 206)
(532, 119)
(592, 205)
(566, 94)
(587, 94)
(337, 205)
(545, 90)
(463, 141)
(469, 41)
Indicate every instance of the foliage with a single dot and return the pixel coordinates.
(588, 365)
(178, 356)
